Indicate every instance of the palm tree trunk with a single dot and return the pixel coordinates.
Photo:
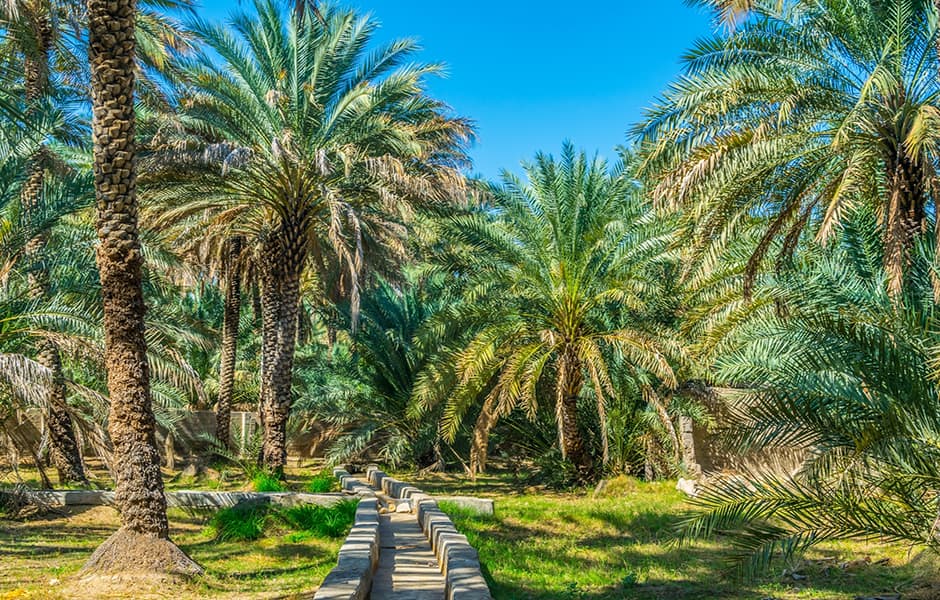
(481, 436)
(63, 447)
(142, 543)
(284, 265)
(230, 318)
(572, 441)
(905, 219)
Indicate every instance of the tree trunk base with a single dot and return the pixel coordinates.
(130, 553)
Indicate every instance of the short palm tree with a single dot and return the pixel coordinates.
(849, 373)
(324, 149)
(807, 109)
(552, 269)
(368, 399)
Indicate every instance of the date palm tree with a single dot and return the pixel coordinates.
(32, 32)
(38, 30)
(143, 540)
(849, 373)
(806, 110)
(324, 150)
(231, 316)
(553, 268)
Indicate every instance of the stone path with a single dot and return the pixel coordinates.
(408, 569)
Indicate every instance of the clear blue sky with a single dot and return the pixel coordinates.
(534, 73)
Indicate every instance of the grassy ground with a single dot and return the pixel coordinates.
(550, 545)
(40, 555)
(214, 478)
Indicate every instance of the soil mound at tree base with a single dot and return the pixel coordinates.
(128, 553)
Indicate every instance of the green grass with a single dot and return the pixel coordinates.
(557, 546)
(322, 521)
(267, 482)
(242, 522)
(53, 548)
(322, 483)
(252, 521)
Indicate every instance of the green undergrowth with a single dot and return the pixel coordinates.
(254, 520)
(267, 482)
(322, 483)
(620, 544)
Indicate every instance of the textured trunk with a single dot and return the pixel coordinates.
(230, 320)
(63, 447)
(139, 491)
(572, 442)
(481, 436)
(905, 218)
(283, 265)
(269, 310)
(142, 543)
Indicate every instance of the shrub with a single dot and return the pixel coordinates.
(322, 521)
(267, 482)
(322, 482)
(253, 520)
(242, 522)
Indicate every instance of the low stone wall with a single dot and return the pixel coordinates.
(182, 499)
(351, 578)
(480, 506)
(459, 561)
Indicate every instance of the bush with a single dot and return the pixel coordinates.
(322, 521)
(242, 522)
(322, 482)
(253, 520)
(267, 482)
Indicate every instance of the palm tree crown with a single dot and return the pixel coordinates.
(807, 109)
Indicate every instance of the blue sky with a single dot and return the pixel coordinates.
(534, 73)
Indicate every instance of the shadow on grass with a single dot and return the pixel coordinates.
(600, 553)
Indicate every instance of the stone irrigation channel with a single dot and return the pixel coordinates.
(403, 546)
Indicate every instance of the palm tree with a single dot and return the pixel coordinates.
(850, 374)
(230, 320)
(36, 29)
(366, 395)
(33, 32)
(143, 540)
(553, 268)
(325, 150)
(804, 111)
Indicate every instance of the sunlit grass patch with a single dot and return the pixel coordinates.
(622, 545)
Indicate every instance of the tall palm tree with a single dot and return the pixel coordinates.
(807, 109)
(143, 540)
(37, 29)
(326, 149)
(230, 319)
(553, 269)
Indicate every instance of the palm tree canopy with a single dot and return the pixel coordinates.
(806, 110)
(317, 130)
(551, 268)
